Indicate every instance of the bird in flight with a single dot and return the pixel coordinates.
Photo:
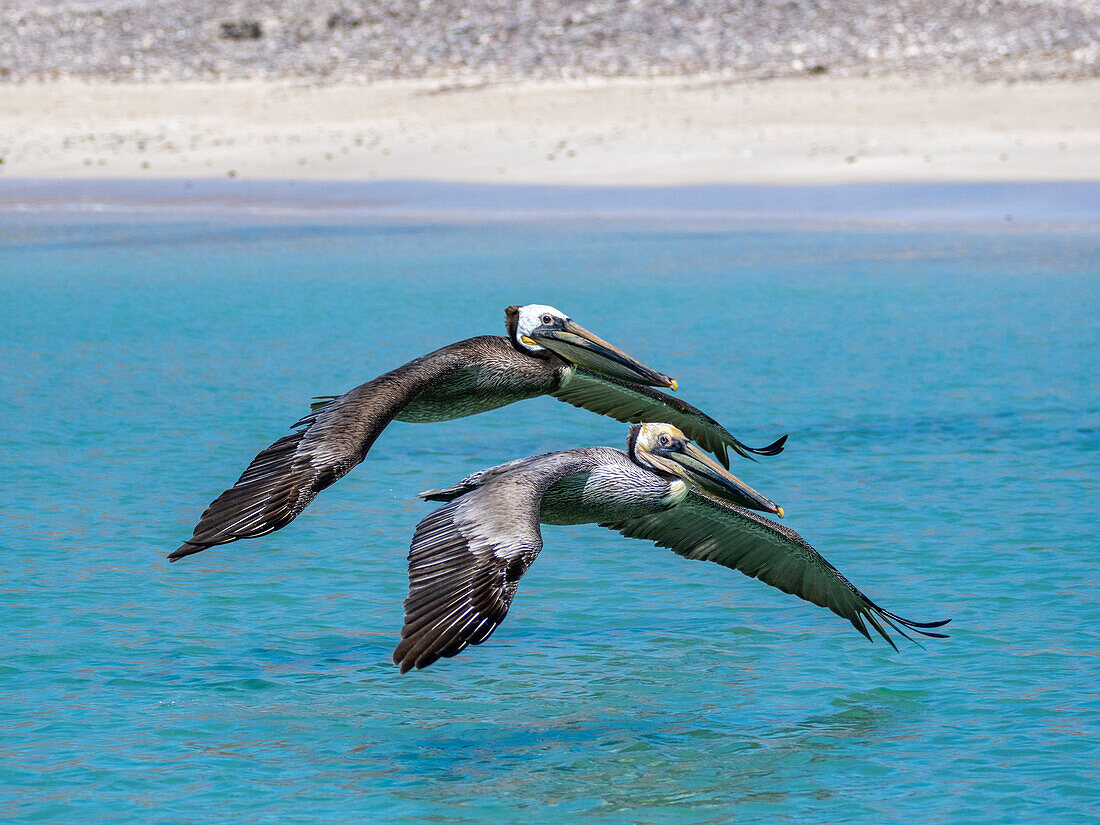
(467, 557)
(544, 353)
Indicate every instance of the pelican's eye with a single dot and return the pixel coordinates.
(665, 440)
(548, 319)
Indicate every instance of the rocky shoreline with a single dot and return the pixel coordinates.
(492, 40)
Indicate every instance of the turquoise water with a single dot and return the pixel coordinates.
(942, 395)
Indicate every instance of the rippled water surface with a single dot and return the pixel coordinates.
(942, 395)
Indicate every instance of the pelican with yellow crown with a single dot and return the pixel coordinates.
(467, 557)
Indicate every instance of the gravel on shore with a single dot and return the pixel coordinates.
(492, 40)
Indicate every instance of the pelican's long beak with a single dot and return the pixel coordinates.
(692, 464)
(576, 344)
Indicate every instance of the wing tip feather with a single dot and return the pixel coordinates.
(775, 448)
(900, 625)
(184, 550)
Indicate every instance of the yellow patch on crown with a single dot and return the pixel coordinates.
(648, 435)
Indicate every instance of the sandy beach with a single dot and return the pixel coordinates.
(663, 131)
(601, 92)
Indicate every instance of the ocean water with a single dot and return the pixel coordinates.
(941, 388)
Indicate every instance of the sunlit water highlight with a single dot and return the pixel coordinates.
(941, 392)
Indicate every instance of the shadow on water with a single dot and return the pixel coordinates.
(615, 758)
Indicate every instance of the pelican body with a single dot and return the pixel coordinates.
(545, 353)
(467, 557)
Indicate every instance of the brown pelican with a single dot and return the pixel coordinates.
(545, 353)
(467, 557)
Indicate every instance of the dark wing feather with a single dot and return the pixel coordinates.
(707, 529)
(467, 557)
(636, 404)
(461, 584)
(282, 480)
(329, 442)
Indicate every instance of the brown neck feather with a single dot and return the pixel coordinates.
(511, 323)
(632, 442)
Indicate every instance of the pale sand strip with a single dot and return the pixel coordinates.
(669, 131)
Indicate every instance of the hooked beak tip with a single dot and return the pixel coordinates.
(672, 385)
(528, 341)
(779, 511)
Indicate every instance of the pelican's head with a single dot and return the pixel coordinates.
(537, 328)
(665, 450)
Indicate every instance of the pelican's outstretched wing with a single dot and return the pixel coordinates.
(332, 439)
(704, 528)
(636, 404)
(467, 558)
